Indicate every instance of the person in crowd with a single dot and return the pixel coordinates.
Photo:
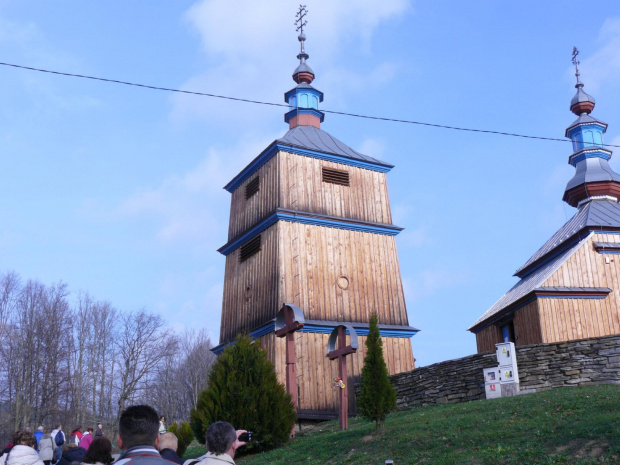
(222, 443)
(138, 436)
(87, 438)
(59, 440)
(24, 452)
(46, 448)
(71, 453)
(99, 431)
(168, 445)
(162, 425)
(76, 435)
(9, 446)
(37, 435)
(99, 452)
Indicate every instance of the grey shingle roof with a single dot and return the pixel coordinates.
(583, 119)
(311, 138)
(573, 289)
(529, 283)
(592, 170)
(597, 213)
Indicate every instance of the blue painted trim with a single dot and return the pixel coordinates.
(275, 147)
(609, 252)
(590, 152)
(303, 90)
(271, 327)
(301, 218)
(577, 128)
(304, 111)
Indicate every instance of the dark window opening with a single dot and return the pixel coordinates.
(249, 248)
(251, 188)
(508, 332)
(336, 176)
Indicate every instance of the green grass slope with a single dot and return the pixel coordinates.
(570, 425)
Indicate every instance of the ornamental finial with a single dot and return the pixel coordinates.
(576, 64)
(300, 22)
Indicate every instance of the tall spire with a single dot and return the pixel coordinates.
(594, 179)
(303, 100)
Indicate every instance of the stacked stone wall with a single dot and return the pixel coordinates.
(540, 366)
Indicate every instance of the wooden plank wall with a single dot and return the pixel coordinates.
(565, 319)
(245, 213)
(242, 309)
(487, 338)
(312, 258)
(303, 189)
(527, 325)
(316, 372)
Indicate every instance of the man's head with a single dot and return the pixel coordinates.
(59, 427)
(26, 439)
(138, 426)
(100, 425)
(221, 436)
(40, 428)
(168, 441)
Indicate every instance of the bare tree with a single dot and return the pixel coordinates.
(142, 343)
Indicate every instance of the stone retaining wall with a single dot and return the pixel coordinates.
(541, 367)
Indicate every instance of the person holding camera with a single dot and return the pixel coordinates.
(222, 443)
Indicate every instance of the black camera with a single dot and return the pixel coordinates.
(246, 437)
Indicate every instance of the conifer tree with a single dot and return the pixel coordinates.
(378, 396)
(243, 390)
(184, 434)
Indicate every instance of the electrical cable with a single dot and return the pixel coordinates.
(258, 102)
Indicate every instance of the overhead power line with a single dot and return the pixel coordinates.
(258, 102)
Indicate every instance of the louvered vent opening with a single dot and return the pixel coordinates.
(336, 176)
(251, 188)
(249, 248)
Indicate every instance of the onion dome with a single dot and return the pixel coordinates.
(594, 179)
(303, 100)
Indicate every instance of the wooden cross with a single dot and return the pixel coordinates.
(338, 338)
(290, 319)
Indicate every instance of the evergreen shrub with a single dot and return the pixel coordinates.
(184, 434)
(243, 390)
(378, 396)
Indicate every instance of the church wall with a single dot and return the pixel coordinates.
(245, 309)
(527, 329)
(315, 372)
(340, 275)
(487, 338)
(246, 213)
(527, 325)
(366, 198)
(566, 319)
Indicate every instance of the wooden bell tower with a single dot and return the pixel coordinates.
(310, 225)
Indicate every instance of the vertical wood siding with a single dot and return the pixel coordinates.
(303, 189)
(487, 338)
(527, 325)
(245, 213)
(566, 319)
(316, 372)
(312, 258)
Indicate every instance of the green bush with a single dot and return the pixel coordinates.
(378, 396)
(243, 390)
(184, 434)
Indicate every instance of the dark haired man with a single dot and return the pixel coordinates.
(222, 443)
(138, 436)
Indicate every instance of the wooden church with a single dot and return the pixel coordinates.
(310, 225)
(570, 288)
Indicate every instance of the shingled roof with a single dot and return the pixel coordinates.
(311, 138)
(594, 214)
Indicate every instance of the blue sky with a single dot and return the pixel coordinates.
(117, 190)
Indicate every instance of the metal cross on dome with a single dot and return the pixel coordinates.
(576, 63)
(300, 21)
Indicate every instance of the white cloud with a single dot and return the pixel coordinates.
(602, 68)
(248, 45)
(193, 206)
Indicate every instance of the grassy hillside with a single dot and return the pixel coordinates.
(569, 425)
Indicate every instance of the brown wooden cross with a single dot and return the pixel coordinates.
(338, 338)
(290, 318)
